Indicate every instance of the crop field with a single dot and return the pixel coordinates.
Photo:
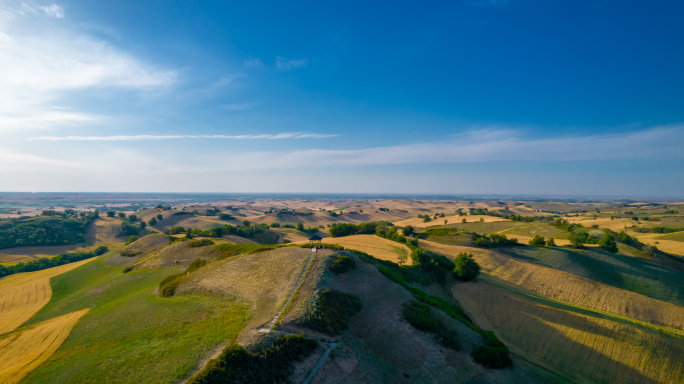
(669, 246)
(130, 335)
(568, 287)
(582, 345)
(480, 228)
(10, 256)
(24, 294)
(534, 229)
(618, 270)
(24, 350)
(374, 245)
(676, 236)
(104, 229)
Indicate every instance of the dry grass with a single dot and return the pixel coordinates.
(24, 294)
(11, 256)
(26, 349)
(567, 287)
(581, 346)
(603, 222)
(104, 229)
(375, 246)
(264, 279)
(669, 246)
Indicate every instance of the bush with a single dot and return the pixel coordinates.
(225, 216)
(111, 213)
(272, 364)
(275, 225)
(409, 230)
(128, 269)
(200, 243)
(466, 268)
(420, 316)
(132, 239)
(550, 242)
(481, 241)
(578, 239)
(168, 286)
(608, 243)
(127, 253)
(537, 241)
(342, 264)
(228, 250)
(329, 311)
(492, 357)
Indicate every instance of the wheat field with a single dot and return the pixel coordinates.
(375, 246)
(26, 349)
(24, 294)
(583, 348)
(567, 287)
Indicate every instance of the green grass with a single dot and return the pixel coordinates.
(675, 236)
(618, 270)
(130, 335)
(541, 229)
(453, 238)
(481, 228)
(228, 250)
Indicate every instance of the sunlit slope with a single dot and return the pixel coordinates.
(375, 246)
(567, 287)
(22, 295)
(581, 344)
(26, 349)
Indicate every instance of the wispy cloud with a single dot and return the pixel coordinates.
(40, 66)
(280, 136)
(254, 62)
(238, 106)
(285, 65)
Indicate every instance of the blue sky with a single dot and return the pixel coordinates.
(496, 97)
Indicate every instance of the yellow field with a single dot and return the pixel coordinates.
(567, 287)
(24, 294)
(584, 348)
(669, 246)
(26, 349)
(522, 239)
(616, 225)
(375, 246)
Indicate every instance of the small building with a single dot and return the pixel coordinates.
(314, 239)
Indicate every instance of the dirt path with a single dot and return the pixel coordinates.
(287, 301)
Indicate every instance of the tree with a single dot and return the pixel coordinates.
(466, 268)
(463, 221)
(608, 243)
(445, 221)
(188, 233)
(300, 227)
(160, 217)
(245, 223)
(111, 213)
(143, 225)
(132, 239)
(133, 218)
(577, 239)
(537, 241)
(550, 242)
(152, 221)
(122, 215)
(409, 230)
(481, 242)
(481, 219)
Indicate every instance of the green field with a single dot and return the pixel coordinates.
(618, 270)
(453, 238)
(130, 335)
(675, 236)
(541, 229)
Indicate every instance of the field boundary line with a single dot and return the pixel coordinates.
(292, 292)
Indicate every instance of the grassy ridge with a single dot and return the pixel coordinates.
(131, 335)
(620, 271)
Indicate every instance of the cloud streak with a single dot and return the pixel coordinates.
(280, 136)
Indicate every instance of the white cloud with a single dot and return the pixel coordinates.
(254, 62)
(53, 10)
(280, 136)
(285, 65)
(38, 67)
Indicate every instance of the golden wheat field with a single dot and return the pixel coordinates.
(567, 287)
(582, 347)
(375, 246)
(24, 294)
(669, 246)
(103, 229)
(24, 350)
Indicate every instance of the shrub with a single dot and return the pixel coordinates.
(550, 242)
(128, 253)
(271, 364)
(167, 287)
(329, 311)
(275, 225)
(481, 242)
(199, 243)
(195, 265)
(608, 243)
(111, 213)
(578, 238)
(128, 269)
(409, 230)
(466, 268)
(127, 229)
(342, 264)
(228, 250)
(160, 217)
(152, 221)
(537, 241)
(225, 216)
(420, 316)
(132, 239)
(492, 357)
